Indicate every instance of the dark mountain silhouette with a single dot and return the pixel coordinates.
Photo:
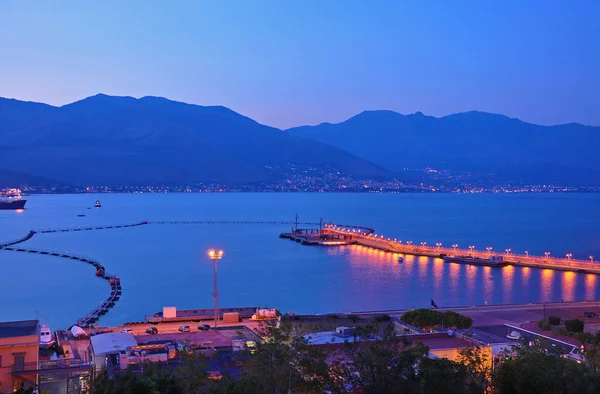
(511, 149)
(106, 140)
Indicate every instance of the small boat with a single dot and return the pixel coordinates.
(80, 215)
(97, 204)
(46, 337)
(400, 260)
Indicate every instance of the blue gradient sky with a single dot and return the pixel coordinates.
(289, 63)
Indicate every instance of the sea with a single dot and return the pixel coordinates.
(166, 264)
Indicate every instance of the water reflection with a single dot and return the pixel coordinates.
(421, 277)
(569, 279)
(508, 277)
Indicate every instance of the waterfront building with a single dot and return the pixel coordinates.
(19, 354)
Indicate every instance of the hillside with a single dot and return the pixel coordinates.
(512, 150)
(106, 140)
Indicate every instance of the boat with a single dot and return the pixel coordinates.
(11, 199)
(400, 260)
(46, 337)
(97, 204)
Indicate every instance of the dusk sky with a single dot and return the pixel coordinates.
(288, 63)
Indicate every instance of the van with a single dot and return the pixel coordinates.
(206, 349)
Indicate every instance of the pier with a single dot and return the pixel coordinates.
(330, 234)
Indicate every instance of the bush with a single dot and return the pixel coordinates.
(382, 318)
(423, 318)
(545, 325)
(574, 325)
(554, 320)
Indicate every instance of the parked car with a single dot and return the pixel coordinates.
(152, 330)
(203, 327)
(184, 328)
(127, 330)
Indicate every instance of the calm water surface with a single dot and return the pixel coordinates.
(166, 265)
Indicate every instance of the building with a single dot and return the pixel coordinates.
(107, 347)
(19, 353)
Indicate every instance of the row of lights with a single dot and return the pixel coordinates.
(454, 246)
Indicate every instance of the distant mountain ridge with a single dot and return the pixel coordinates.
(108, 140)
(473, 141)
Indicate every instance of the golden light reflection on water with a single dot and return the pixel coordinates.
(508, 278)
(457, 281)
(569, 280)
(488, 284)
(547, 284)
(590, 286)
(471, 281)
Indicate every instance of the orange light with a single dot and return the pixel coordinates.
(215, 254)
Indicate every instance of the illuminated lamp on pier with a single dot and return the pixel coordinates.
(569, 255)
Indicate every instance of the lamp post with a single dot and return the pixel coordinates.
(547, 255)
(489, 249)
(438, 245)
(214, 256)
(471, 247)
(569, 255)
(592, 259)
(454, 246)
(507, 251)
(527, 253)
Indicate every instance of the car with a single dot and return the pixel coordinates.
(203, 327)
(184, 328)
(127, 330)
(151, 330)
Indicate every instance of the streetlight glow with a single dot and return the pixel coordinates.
(215, 255)
(569, 255)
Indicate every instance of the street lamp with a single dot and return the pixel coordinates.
(547, 254)
(471, 247)
(592, 259)
(423, 243)
(438, 245)
(489, 249)
(569, 255)
(454, 246)
(527, 253)
(409, 242)
(214, 256)
(507, 250)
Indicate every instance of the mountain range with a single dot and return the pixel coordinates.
(105, 140)
(508, 148)
(108, 140)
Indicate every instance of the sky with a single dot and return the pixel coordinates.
(290, 63)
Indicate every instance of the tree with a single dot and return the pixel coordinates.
(574, 325)
(382, 366)
(443, 376)
(530, 369)
(554, 320)
(478, 367)
(191, 374)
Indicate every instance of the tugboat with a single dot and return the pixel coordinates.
(46, 338)
(97, 204)
(11, 199)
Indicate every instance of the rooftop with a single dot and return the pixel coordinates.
(112, 342)
(21, 328)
